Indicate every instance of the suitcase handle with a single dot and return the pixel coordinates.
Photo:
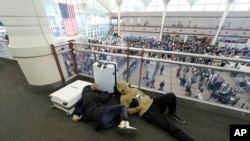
(74, 87)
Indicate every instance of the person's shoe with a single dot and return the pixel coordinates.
(125, 128)
(177, 118)
(76, 117)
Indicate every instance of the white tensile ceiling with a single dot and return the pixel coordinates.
(109, 4)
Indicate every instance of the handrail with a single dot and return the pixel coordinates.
(110, 31)
(61, 44)
(169, 52)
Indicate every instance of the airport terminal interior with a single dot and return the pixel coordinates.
(197, 49)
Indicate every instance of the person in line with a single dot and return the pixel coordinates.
(147, 75)
(94, 109)
(152, 83)
(188, 88)
(161, 85)
(182, 81)
(161, 70)
(199, 93)
(152, 109)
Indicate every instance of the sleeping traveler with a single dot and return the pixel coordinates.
(152, 109)
(95, 110)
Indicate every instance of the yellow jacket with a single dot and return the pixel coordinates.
(144, 101)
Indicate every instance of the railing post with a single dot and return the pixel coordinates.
(71, 46)
(57, 63)
(142, 55)
(128, 67)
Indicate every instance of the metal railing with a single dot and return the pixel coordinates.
(135, 67)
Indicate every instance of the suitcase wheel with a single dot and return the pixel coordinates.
(68, 114)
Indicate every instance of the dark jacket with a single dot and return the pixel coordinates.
(94, 103)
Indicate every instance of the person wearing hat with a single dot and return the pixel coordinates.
(103, 116)
(152, 109)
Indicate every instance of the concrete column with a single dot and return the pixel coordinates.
(29, 40)
(185, 38)
(163, 18)
(119, 3)
(162, 22)
(224, 16)
(191, 2)
(118, 22)
(248, 42)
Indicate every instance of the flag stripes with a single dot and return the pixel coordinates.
(68, 17)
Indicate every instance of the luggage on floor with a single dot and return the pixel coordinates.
(105, 75)
(66, 97)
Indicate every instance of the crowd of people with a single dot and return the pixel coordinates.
(188, 76)
(203, 78)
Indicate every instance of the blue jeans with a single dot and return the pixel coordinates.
(114, 114)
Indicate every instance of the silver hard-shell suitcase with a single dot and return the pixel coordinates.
(66, 97)
(105, 75)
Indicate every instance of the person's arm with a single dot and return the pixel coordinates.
(104, 96)
(131, 111)
(135, 110)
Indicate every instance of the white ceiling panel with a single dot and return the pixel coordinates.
(109, 4)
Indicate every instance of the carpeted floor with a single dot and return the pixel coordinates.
(27, 115)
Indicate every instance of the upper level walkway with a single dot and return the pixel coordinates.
(26, 114)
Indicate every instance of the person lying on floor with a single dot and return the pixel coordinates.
(152, 109)
(95, 110)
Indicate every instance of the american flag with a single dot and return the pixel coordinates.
(68, 17)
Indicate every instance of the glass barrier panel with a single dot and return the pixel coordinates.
(133, 71)
(84, 62)
(66, 61)
(205, 79)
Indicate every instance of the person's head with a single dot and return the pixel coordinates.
(123, 87)
(94, 87)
